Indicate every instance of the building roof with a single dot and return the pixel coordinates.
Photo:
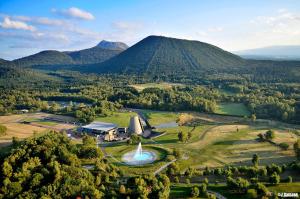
(100, 126)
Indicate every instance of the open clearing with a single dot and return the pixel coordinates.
(238, 109)
(162, 85)
(25, 125)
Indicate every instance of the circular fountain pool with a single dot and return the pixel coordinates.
(139, 157)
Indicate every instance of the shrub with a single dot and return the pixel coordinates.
(187, 181)
(261, 189)
(90, 152)
(274, 178)
(270, 135)
(195, 192)
(176, 179)
(3, 130)
(251, 193)
(284, 145)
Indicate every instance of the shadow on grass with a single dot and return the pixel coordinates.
(230, 142)
(169, 141)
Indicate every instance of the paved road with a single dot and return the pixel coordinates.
(163, 167)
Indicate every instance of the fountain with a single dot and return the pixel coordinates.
(139, 156)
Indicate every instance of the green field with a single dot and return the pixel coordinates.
(162, 85)
(212, 145)
(238, 109)
(160, 117)
(120, 118)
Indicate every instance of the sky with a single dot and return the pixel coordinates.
(30, 26)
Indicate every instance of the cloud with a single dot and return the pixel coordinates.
(74, 12)
(285, 23)
(11, 24)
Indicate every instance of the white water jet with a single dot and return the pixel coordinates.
(138, 152)
(139, 156)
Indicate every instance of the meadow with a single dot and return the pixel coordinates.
(237, 109)
(161, 85)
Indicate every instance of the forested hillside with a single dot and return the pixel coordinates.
(93, 55)
(162, 55)
(50, 59)
(2, 61)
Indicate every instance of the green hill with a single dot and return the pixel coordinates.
(163, 55)
(18, 77)
(64, 60)
(93, 55)
(2, 61)
(48, 57)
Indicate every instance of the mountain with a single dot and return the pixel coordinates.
(112, 45)
(272, 53)
(61, 60)
(48, 57)
(2, 61)
(163, 55)
(103, 51)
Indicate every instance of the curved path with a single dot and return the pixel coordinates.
(163, 167)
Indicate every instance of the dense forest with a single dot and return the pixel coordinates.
(50, 166)
(102, 94)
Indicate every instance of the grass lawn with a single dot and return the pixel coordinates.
(285, 187)
(47, 123)
(160, 117)
(238, 109)
(162, 85)
(119, 118)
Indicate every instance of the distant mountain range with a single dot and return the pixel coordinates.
(159, 56)
(103, 51)
(272, 53)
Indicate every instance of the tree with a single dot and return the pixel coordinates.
(270, 134)
(195, 192)
(284, 145)
(255, 160)
(261, 189)
(205, 181)
(274, 178)
(88, 140)
(239, 184)
(3, 130)
(297, 149)
(177, 153)
(285, 116)
(251, 193)
(189, 135)
(182, 136)
(253, 117)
